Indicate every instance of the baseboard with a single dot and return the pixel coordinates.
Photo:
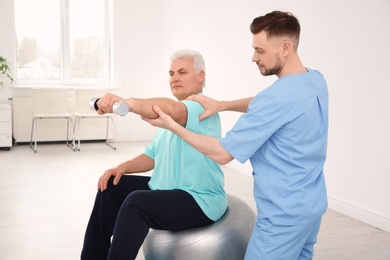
(363, 215)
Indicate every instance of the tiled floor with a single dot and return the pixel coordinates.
(46, 199)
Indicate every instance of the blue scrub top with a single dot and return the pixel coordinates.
(284, 135)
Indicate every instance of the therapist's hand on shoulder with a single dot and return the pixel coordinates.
(210, 105)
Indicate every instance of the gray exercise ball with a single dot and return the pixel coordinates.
(226, 239)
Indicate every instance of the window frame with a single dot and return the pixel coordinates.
(64, 55)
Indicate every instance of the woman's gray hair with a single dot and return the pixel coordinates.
(199, 64)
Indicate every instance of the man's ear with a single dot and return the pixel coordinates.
(202, 76)
(286, 47)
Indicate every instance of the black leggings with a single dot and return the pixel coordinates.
(127, 211)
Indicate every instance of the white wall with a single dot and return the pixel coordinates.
(139, 60)
(346, 40)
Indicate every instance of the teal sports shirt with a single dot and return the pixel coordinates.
(179, 166)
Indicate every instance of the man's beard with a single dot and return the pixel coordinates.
(276, 69)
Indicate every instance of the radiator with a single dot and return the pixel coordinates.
(49, 130)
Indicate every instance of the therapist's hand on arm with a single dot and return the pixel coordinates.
(207, 145)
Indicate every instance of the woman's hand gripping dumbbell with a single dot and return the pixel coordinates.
(119, 107)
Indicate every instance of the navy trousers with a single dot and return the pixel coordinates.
(126, 211)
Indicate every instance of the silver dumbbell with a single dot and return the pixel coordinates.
(120, 107)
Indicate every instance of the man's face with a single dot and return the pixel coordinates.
(183, 79)
(268, 54)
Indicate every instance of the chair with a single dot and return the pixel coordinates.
(82, 111)
(50, 104)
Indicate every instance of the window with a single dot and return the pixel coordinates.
(62, 42)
